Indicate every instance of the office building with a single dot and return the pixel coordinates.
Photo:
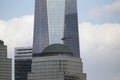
(23, 59)
(56, 63)
(56, 22)
(5, 63)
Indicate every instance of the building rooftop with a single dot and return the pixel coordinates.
(57, 49)
(54, 48)
(1, 42)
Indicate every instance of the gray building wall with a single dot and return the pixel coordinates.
(56, 68)
(5, 63)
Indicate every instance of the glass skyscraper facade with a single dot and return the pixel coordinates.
(56, 22)
(5, 63)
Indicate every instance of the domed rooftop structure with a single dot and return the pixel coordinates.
(56, 49)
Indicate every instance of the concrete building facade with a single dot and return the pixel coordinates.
(56, 63)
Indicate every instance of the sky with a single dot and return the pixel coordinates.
(99, 29)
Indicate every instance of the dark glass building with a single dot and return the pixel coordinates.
(23, 60)
(56, 22)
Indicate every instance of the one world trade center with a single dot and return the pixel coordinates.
(56, 22)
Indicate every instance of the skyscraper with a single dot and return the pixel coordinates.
(5, 63)
(56, 54)
(56, 22)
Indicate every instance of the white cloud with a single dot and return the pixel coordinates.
(106, 35)
(107, 10)
(2, 28)
(17, 32)
(100, 50)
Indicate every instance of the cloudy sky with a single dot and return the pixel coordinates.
(99, 28)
